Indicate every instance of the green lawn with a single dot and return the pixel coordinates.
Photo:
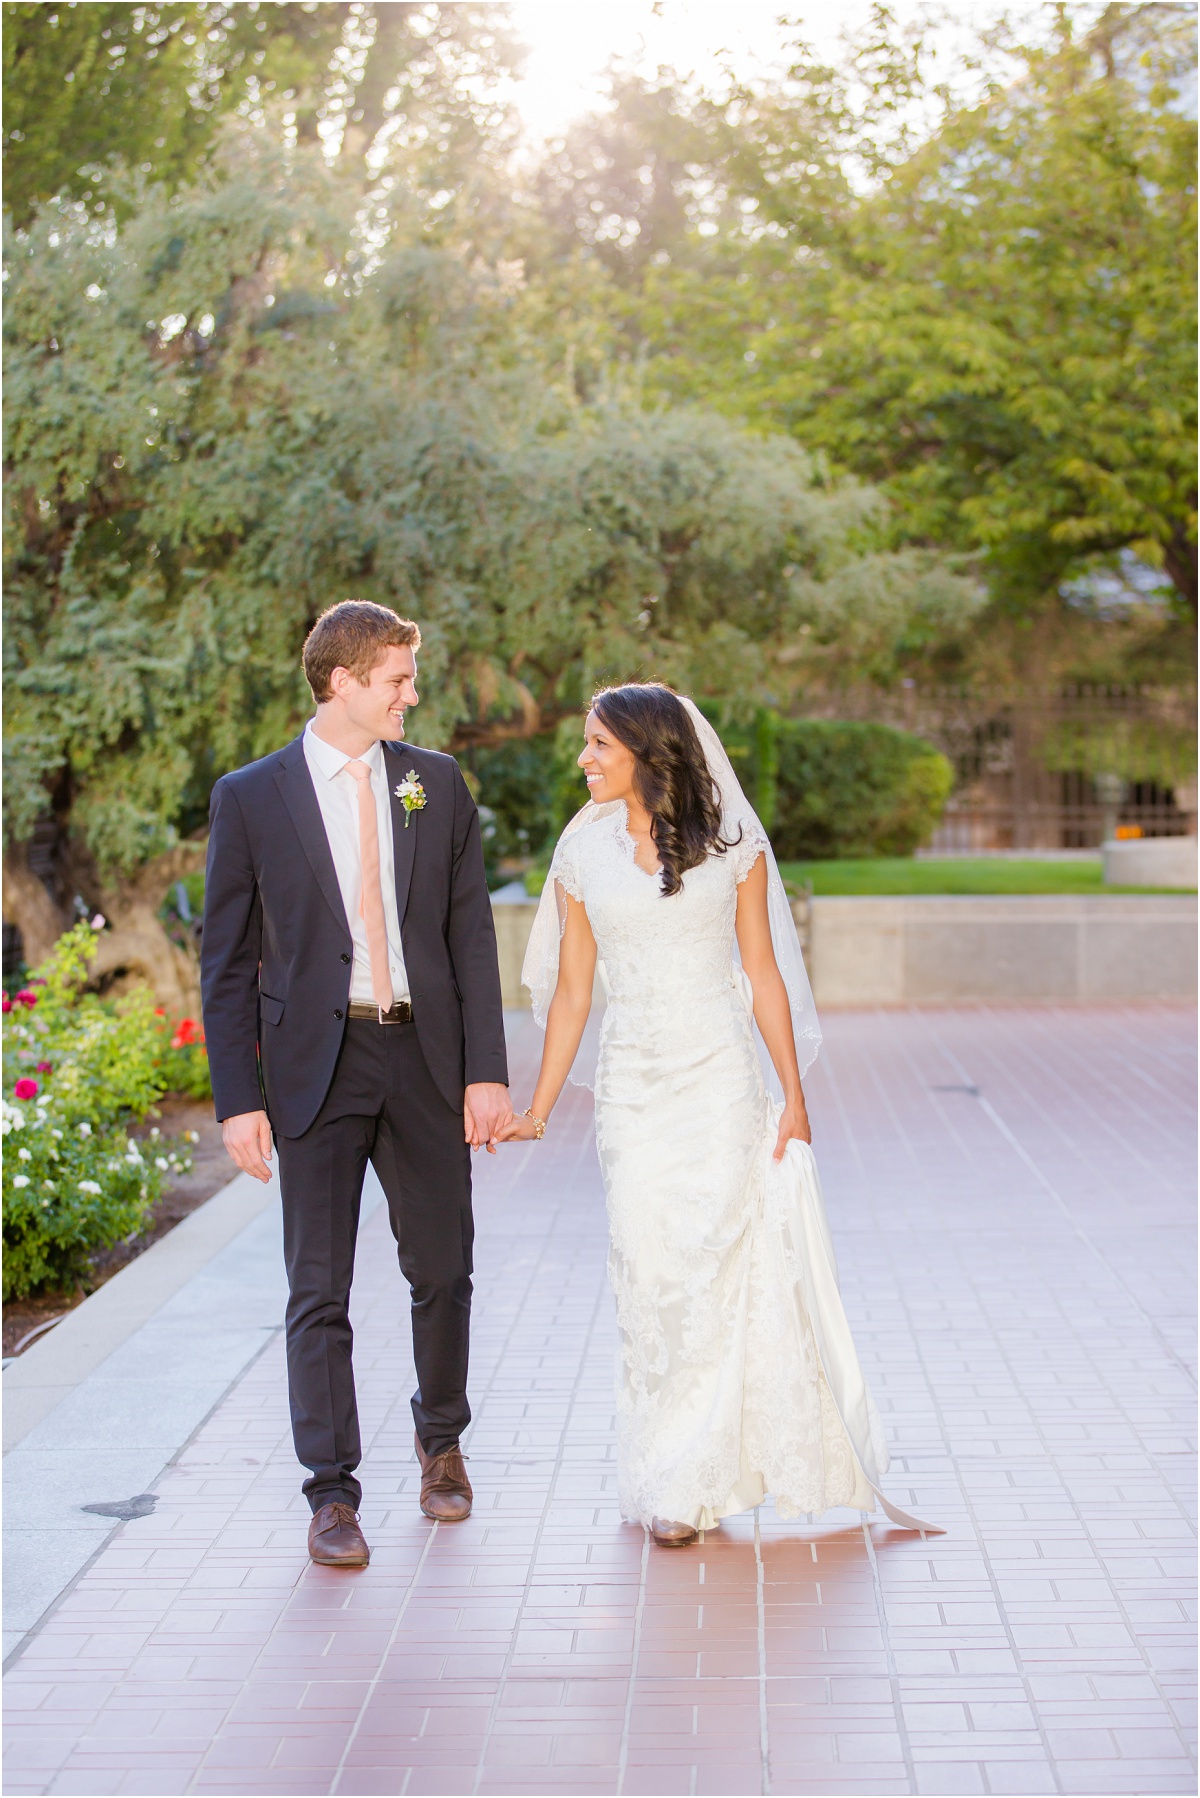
(885, 875)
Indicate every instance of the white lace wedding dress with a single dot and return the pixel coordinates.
(738, 1375)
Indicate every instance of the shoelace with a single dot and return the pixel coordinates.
(344, 1514)
(438, 1474)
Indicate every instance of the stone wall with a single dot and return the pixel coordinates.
(899, 951)
(1151, 862)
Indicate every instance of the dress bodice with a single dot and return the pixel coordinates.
(658, 952)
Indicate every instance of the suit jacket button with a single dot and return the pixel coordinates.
(345, 958)
(337, 1014)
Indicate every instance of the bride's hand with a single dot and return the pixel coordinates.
(793, 1124)
(520, 1129)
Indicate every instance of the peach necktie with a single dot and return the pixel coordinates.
(370, 907)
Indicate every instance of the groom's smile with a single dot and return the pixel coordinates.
(359, 713)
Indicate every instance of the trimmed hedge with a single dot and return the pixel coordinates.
(848, 789)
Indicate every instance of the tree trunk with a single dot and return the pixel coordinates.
(136, 944)
(1179, 558)
(387, 58)
(29, 906)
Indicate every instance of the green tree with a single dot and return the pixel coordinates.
(985, 307)
(1009, 342)
(228, 413)
(95, 92)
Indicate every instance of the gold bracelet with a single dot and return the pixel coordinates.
(539, 1124)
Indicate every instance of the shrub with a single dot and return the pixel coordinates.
(527, 790)
(183, 1060)
(78, 1072)
(846, 789)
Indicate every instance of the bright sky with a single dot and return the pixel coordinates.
(572, 41)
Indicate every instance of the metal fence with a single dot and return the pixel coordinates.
(1065, 769)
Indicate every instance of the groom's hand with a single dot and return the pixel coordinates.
(248, 1139)
(487, 1108)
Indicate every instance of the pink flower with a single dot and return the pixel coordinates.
(45, 1067)
(26, 997)
(26, 1089)
(98, 921)
(5, 1004)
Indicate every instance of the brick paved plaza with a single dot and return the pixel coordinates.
(1011, 1194)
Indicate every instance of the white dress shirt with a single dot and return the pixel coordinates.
(337, 796)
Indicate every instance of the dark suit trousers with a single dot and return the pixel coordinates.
(382, 1107)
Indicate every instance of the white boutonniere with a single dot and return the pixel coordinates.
(411, 795)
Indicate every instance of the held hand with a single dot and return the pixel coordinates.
(518, 1129)
(487, 1108)
(248, 1139)
(793, 1126)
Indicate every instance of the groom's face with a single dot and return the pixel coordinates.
(379, 707)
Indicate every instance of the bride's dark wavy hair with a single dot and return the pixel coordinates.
(670, 774)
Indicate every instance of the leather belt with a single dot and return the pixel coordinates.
(400, 1013)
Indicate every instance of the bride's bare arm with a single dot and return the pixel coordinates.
(772, 1012)
(565, 1019)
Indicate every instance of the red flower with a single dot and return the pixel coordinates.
(26, 1089)
(160, 1011)
(45, 1067)
(25, 997)
(187, 1034)
(5, 1004)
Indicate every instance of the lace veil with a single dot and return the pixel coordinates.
(540, 970)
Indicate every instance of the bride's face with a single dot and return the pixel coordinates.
(607, 764)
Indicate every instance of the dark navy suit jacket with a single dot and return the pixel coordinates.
(277, 951)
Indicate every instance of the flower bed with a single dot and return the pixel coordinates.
(79, 1072)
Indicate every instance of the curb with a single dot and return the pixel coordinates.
(49, 1370)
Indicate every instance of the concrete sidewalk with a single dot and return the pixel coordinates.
(1011, 1198)
(95, 1412)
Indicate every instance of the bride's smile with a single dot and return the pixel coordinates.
(608, 766)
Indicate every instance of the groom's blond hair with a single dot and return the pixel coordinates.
(353, 635)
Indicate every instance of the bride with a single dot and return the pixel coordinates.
(738, 1374)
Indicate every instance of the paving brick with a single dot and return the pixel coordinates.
(1017, 1277)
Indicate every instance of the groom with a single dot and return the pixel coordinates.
(352, 1012)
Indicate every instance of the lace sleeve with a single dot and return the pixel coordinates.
(743, 855)
(564, 870)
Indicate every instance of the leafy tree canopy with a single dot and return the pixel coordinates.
(106, 87)
(737, 389)
(227, 414)
(984, 306)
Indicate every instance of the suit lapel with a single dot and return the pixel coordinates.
(404, 824)
(299, 795)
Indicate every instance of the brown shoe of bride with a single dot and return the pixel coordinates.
(673, 1535)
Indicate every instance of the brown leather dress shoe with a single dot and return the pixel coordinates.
(334, 1538)
(445, 1489)
(673, 1535)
